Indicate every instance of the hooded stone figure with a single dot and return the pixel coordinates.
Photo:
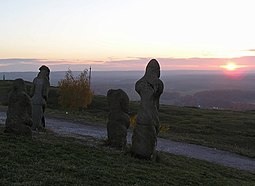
(149, 87)
(47, 71)
(118, 118)
(39, 93)
(19, 113)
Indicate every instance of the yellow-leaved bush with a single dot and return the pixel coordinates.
(75, 92)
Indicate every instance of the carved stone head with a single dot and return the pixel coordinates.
(153, 68)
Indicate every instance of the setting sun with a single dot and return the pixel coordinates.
(231, 66)
(234, 70)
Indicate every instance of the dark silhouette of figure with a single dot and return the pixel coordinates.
(45, 68)
(19, 113)
(118, 118)
(39, 93)
(149, 87)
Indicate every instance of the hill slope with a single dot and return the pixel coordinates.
(227, 130)
(47, 159)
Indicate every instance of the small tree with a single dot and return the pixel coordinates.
(75, 92)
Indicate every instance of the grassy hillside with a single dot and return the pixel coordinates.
(227, 130)
(47, 159)
(6, 86)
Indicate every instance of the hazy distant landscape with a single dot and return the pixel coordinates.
(205, 89)
(187, 88)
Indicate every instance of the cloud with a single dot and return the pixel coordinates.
(3, 65)
(33, 64)
(128, 64)
(183, 63)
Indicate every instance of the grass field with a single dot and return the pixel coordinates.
(47, 159)
(227, 130)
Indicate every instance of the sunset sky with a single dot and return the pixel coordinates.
(125, 34)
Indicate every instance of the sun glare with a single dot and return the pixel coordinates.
(234, 70)
(230, 66)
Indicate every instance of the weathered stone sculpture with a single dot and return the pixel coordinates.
(118, 119)
(19, 113)
(39, 93)
(149, 87)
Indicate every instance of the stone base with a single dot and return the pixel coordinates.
(117, 134)
(18, 129)
(144, 141)
(37, 115)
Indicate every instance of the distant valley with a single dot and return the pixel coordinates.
(204, 89)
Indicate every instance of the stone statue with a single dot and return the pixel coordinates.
(118, 119)
(39, 93)
(19, 113)
(149, 87)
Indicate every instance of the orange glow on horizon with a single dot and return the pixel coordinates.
(232, 66)
(233, 70)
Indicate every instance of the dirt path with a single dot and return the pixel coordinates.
(189, 150)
